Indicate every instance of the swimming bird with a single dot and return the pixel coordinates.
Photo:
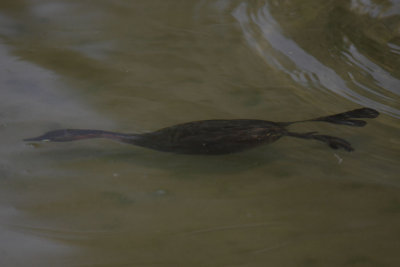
(214, 137)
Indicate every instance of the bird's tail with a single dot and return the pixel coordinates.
(347, 118)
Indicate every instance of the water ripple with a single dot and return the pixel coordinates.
(364, 82)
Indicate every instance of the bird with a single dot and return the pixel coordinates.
(216, 137)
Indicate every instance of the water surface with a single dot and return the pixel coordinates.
(136, 66)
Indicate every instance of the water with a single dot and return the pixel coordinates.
(136, 66)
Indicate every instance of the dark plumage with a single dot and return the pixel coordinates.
(213, 137)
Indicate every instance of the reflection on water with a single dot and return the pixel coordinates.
(137, 66)
(265, 35)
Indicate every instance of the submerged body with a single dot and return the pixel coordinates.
(213, 137)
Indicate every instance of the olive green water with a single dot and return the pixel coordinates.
(136, 66)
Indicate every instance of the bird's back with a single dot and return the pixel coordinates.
(212, 136)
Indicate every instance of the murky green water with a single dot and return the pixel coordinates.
(136, 66)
